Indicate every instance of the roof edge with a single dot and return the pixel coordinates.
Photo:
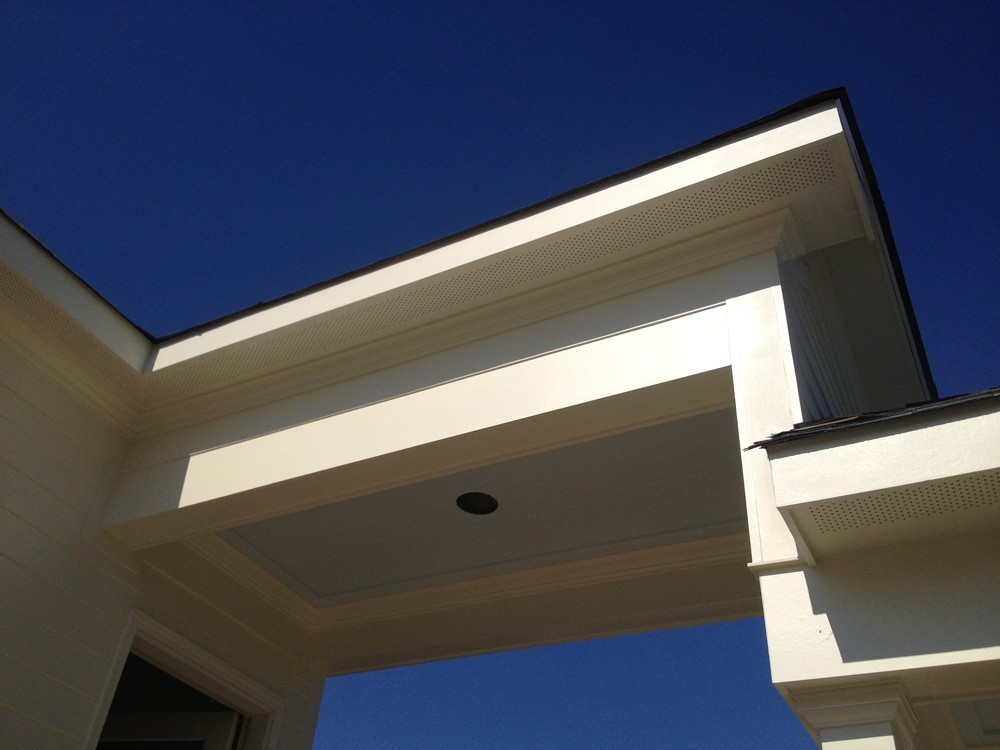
(5, 214)
(868, 175)
(830, 96)
(839, 424)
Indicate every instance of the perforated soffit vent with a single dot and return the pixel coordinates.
(746, 190)
(927, 501)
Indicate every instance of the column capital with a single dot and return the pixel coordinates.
(829, 710)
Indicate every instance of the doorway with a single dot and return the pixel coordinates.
(153, 710)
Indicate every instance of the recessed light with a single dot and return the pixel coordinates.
(477, 503)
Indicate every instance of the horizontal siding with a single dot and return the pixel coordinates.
(64, 601)
(36, 695)
(48, 651)
(50, 399)
(81, 455)
(20, 730)
(64, 566)
(38, 600)
(40, 461)
(66, 591)
(26, 498)
(61, 523)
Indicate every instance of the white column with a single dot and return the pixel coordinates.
(867, 737)
(767, 400)
(858, 717)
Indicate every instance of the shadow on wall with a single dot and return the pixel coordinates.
(934, 597)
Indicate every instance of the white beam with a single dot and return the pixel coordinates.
(393, 431)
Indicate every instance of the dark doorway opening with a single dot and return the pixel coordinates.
(153, 710)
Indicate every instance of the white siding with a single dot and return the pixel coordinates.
(67, 591)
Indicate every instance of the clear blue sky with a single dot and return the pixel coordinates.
(189, 159)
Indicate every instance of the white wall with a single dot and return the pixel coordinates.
(68, 592)
(926, 605)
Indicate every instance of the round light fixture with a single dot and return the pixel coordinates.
(477, 503)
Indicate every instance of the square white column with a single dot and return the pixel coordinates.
(858, 717)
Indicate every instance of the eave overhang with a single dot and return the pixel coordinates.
(891, 478)
(616, 222)
(260, 416)
(806, 160)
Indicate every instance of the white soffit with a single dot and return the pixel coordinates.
(672, 482)
(496, 242)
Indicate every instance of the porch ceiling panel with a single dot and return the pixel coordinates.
(664, 484)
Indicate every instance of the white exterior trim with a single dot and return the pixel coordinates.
(162, 647)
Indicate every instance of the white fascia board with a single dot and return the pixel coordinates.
(800, 131)
(23, 254)
(846, 465)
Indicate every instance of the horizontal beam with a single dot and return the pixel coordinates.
(534, 404)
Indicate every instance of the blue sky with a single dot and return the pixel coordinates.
(190, 159)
